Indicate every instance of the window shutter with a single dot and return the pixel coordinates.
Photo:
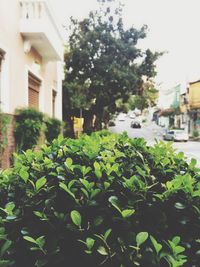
(33, 91)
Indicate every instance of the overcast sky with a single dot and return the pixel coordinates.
(174, 26)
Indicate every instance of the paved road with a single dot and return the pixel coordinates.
(151, 132)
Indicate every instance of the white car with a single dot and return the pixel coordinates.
(121, 117)
(176, 135)
(131, 115)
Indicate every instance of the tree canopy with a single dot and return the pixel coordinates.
(103, 63)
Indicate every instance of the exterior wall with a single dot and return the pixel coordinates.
(194, 95)
(194, 106)
(163, 121)
(10, 148)
(17, 63)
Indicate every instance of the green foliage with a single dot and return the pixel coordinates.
(100, 200)
(147, 97)
(28, 127)
(4, 122)
(53, 128)
(195, 133)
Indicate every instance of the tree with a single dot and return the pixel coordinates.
(147, 98)
(104, 64)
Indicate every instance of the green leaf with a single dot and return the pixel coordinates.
(40, 183)
(76, 217)
(40, 241)
(71, 183)
(97, 165)
(141, 238)
(95, 192)
(85, 192)
(98, 220)
(10, 207)
(65, 188)
(68, 163)
(176, 240)
(30, 239)
(24, 175)
(5, 247)
(179, 249)
(97, 169)
(102, 251)
(90, 243)
(88, 251)
(156, 245)
(85, 183)
(41, 215)
(113, 200)
(127, 213)
(193, 163)
(106, 185)
(107, 233)
(11, 217)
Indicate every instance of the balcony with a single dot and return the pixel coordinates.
(39, 28)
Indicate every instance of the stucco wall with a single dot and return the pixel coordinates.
(194, 95)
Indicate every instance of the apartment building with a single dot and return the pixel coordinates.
(194, 105)
(31, 54)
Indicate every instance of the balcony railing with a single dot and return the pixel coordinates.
(38, 26)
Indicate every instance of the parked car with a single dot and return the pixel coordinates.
(111, 124)
(135, 124)
(121, 117)
(132, 115)
(176, 135)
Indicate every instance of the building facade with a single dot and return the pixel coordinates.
(31, 56)
(194, 105)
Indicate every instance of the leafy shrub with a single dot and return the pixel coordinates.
(53, 128)
(28, 127)
(102, 200)
(195, 133)
(4, 122)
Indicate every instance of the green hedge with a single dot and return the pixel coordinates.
(102, 200)
(31, 124)
(28, 126)
(53, 128)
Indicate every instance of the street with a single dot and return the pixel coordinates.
(152, 132)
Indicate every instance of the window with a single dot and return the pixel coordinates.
(2, 53)
(54, 93)
(33, 91)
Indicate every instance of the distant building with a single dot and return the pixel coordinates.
(168, 116)
(194, 104)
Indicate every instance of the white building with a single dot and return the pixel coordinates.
(31, 55)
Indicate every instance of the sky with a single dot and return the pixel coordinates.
(173, 27)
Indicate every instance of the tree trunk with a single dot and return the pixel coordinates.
(106, 124)
(69, 127)
(88, 122)
(98, 122)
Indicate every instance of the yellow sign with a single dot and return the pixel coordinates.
(78, 126)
